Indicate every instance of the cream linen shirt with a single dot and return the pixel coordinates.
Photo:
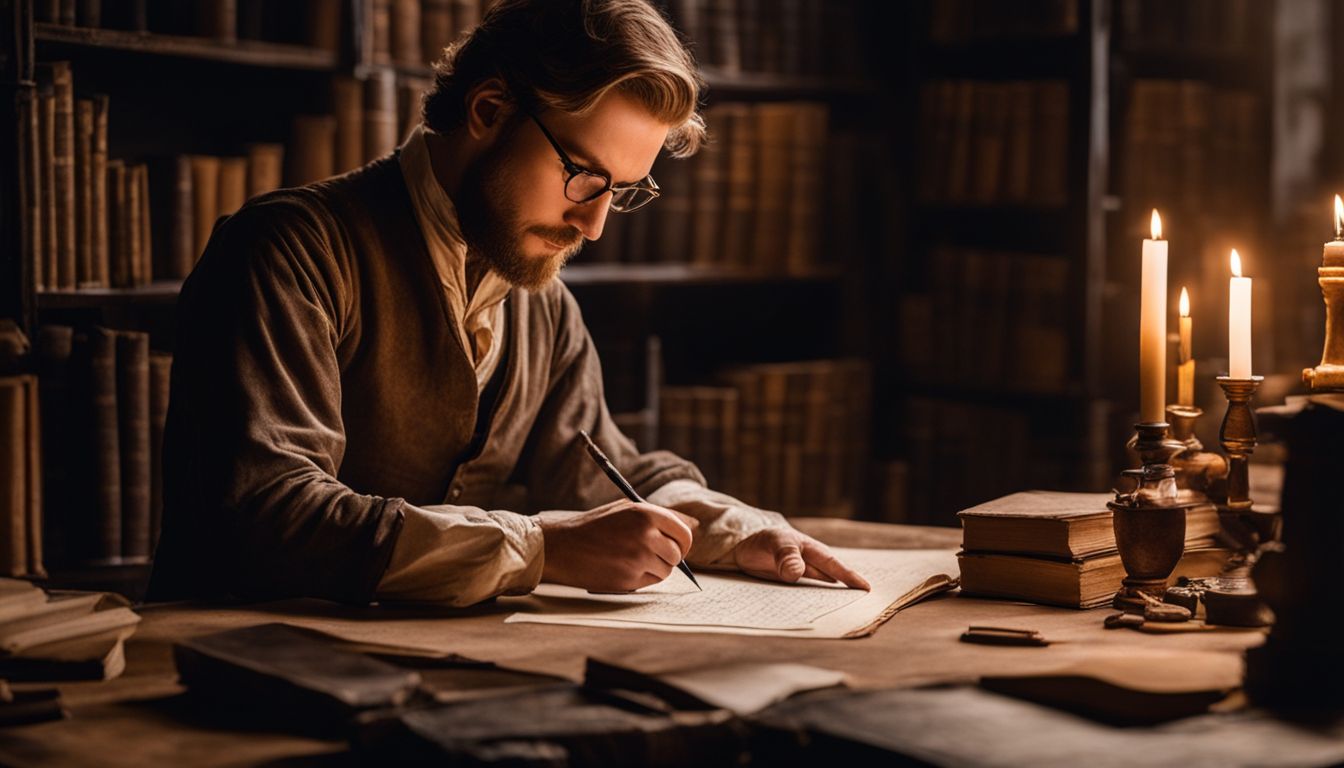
(460, 555)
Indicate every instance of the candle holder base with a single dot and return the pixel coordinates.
(1197, 470)
(1149, 519)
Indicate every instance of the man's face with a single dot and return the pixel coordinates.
(512, 204)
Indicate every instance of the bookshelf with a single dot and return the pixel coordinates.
(995, 373)
(709, 309)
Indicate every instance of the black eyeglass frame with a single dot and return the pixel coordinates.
(647, 184)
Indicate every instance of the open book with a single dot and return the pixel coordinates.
(62, 636)
(737, 604)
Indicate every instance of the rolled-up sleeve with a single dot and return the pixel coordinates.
(459, 555)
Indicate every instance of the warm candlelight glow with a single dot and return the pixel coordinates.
(1157, 225)
(1236, 263)
(1339, 216)
(1185, 303)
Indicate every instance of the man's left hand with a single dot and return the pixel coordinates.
(787, 554)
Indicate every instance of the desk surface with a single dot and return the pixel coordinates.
(141, 718)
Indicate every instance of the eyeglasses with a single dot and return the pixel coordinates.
(583, 185)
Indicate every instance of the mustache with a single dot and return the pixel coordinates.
(565, 239)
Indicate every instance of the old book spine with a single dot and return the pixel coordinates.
(322, 27)
(64, 173)
(675, 421)
(89, 13)
(232, 184)
(133, 432)
(466, 14)
(739, 224)
(347, 97)
(67, 15)
(405, 33)
(708, 188)
(793, 487)
(217, 19)
(721, 26)
(33, 462)
(672, 211)
(30, 183)
(98, 187)
(729, 431)
(410, 98)
(380, 20)
(204, 201)
(265, 168)
(160, 370)
(1052, 134)
(774, 143)
(311, 150)
(182, 237)
(106, 444)
(13, 478)
(119, 253)
(60, 451)
(806, 190)
(380, 114)
(705, 442)
(130, 226)
(437, 29)
(144, 223)
(46, 141)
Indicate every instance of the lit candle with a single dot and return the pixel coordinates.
(1334, 250)
(1153, 328)
(1239, 322)
(1185, 374)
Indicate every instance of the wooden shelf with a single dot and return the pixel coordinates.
(165, 291)
(157, 292)
(246, 52)
(687, 274)
(738, 85)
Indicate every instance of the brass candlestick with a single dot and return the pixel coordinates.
(1237, 436)
(1149, 519)
(1330, 373)
(1197, 470)
(1234, 601)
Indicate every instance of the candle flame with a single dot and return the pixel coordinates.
(1339, 216)
(1157, 225)
(1185, 303)
(1236, 263)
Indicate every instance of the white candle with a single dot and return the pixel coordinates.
(1153, 328)
(1239, 322)
(1185, 374)
(1334, 250)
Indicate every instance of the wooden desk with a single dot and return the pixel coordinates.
(143, 719)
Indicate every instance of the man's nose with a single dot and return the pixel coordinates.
(591, 217)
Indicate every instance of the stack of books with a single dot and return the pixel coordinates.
(1059, 548)
(62, 636)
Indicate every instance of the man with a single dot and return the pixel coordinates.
(379, 382)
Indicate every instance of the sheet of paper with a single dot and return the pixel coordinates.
(749, 688)
(737, 604)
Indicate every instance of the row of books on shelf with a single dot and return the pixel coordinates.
(754, 196)
(312, 23)
(1185, 140)
(959, 453)
(994, 142)
(89, 220)
(414, 33)
(86, 215)
(1059, 548)
(989, 316)
(1226, 27)
(962, 21)
(790, 437)
(807, 38)
(104, 402)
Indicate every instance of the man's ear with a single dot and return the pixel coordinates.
(489, 106)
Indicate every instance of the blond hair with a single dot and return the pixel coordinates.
(566, 55)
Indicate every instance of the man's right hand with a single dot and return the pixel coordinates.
(617, 547)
